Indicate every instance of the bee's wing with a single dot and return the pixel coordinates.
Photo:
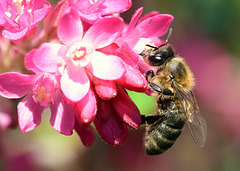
(197, 124)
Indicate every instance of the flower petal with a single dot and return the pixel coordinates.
(63, 116)
(86, 133)
(15, 34)
(70, 27)
(86, 108)
(156, 25)
(43, 8)
(49, 56)
(104, 31)
(29, 62)
(116, 6)
(52, 19)
(74, 83)
(104, 109)
(15, 85)
(133, 80)
(105, 89)
(126, 109)
(128, 55)
(29, 114)
(133, 21)
(148, 15)
(106, 67)
(111, 130)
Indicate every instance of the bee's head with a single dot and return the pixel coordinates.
(160, 55)
(157, 56)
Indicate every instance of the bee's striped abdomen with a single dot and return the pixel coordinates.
(161, 136)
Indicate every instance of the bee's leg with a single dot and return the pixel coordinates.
(149, 73)
(150, 119)
(158, 89)
(171, 77)
(155, 87)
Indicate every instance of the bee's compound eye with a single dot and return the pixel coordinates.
(156, 60)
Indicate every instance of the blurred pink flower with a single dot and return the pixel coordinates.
(92, 10)
(42, 91)
(21, 17)
(217, 80)
(7, 114)
(18, 160)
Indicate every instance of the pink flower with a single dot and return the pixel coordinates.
(21, 17)
(133, 40)
(78, 57)
(41, 91)
(92, 10)
(86, 133)
(85, 59)
(7, 115)
(145, 31)
(113, 117)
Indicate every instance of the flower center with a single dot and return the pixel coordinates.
(41, 94)
(92, 1)
(44, 90)
(16, 9)
(80, 54)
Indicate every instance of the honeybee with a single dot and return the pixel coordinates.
(176, 104)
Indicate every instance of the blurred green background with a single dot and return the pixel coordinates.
(206, 33)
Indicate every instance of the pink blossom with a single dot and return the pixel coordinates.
(21, 17)
(147, 30)
(86, 133)
(92, 10)
(86, 108)
(133, 40)
(7, 115)
(41, 91)
(113, 117)
(80, 65)
(82, 70)
(79, 54)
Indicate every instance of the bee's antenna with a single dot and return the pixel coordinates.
(168, 37)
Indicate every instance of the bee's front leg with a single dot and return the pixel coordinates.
(158, 89)
(148, 74)
(154, 86)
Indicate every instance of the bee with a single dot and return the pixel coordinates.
(176, 104)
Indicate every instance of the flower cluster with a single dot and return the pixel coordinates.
(79, 64)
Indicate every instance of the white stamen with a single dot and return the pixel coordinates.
(92, 1)
(8, 14)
